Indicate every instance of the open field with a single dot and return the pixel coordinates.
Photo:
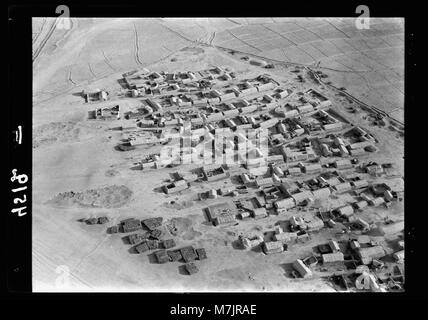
(72, 154)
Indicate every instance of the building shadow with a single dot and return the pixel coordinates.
(182, 270)
(268, 236)
(237, 245)
(316, 249)
(125, 240)
(158, 190)
(109, 231)
(288, 270)
(236, 180)
(132, 250)
(152, 258)
(375, 232)
(257, 249)
(122, 83)
(207, 221)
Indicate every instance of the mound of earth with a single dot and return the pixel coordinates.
(182, 227)
(193, 50)
(107, 197)
(111, 173)
(56, 131)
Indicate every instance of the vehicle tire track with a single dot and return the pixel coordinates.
(283, 52)
(66, 34)
(91, 252)
(307, 53)
(233, 21)
(70, 79)
(136, 47)
(92, 71)
(43, 261)
(335, 27)
(40, 31)
(244, 41)
(107, 61)
(44, 40)
(281, 35)
(177, 33)
(212, 38)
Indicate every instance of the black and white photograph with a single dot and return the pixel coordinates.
(241, 154)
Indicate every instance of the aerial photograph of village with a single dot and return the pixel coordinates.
(218, 155)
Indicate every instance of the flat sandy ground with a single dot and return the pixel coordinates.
(73, 154)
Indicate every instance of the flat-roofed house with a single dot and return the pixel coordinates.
(301, 196)
(333, 257)
(343, 187)
(214, 173)
(269, 123)
(175, 186)
(228, 96)
(296, 171)
(360, 184)
(315, 224)
(285, 237)
(376, 201)
(225, 219)
(266, 86)
(218, 209)
(259, 213)
(305, 108)
(367, 254)
(343, 164)
(264, 181)
(362, 223)
(283, 94)
(312, 168)
(273, 247)
(346, 211)
(286, 203)
(248, 91)
(399, 256)
(333, 126)
(291, 113)
(231, 113)
(302, 269)
(322, 193)
(361, 204)
(249, 109)
(354, 244)
(334, 246)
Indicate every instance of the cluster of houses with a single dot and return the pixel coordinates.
(146, 236)
(282, 197)
(277, 137)
(360, 255)
(207, 111)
